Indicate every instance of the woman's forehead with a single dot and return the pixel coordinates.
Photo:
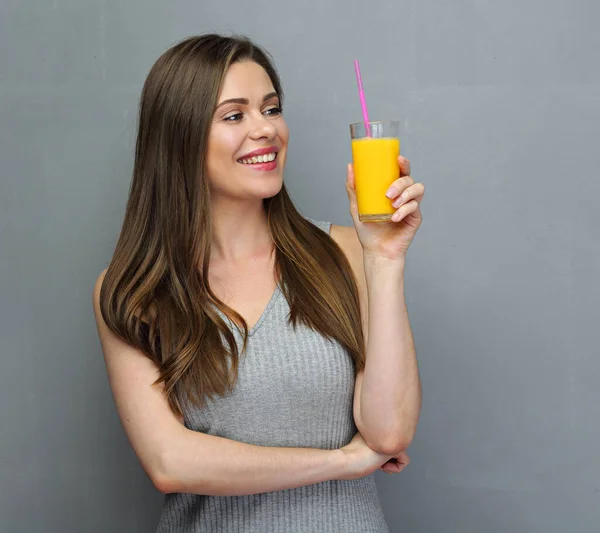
(246, 79)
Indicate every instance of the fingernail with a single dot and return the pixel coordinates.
(398, 202)
(391, 192)
(396, 217)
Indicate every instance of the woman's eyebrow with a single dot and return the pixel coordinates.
(244, 101)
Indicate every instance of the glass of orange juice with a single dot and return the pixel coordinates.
(375, 158)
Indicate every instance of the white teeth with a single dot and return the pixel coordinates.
(259, 159)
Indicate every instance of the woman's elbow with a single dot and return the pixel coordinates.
(163, 484)
(161, 476)
(392, 445)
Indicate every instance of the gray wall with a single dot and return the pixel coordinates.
(500, 105)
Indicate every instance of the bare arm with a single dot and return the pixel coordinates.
(204, 464)
(181, 460)
(387, 394)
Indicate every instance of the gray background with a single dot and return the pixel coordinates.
(500, 106)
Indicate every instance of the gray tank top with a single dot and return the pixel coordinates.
(294, 389)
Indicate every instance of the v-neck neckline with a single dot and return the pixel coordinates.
(262, 317)
(265, 312)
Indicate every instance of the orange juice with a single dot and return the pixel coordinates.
(375, 168)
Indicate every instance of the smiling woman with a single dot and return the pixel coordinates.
(241, 124)
(230, 324)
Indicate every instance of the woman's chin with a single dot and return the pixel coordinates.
(271, 189)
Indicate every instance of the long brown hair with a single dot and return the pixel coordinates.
(155, 294)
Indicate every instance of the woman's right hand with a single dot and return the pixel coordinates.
(360, 459)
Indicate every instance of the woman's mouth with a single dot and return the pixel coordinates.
(264, 162)
(258, 159)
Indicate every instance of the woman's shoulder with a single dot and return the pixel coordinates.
(321, 224)
(344, 236)
(347, 240)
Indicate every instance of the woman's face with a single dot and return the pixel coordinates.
(248, 139)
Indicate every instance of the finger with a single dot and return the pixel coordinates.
(350, 176)
(351, 190)
(405, 210)
(403, 458)
(399, 186)
(404, 165)
(393, 468)
(414, 192)
(385, 467)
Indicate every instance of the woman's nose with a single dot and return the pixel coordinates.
(262, 127)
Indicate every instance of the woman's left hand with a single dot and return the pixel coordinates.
(390, 239)
(396, 464)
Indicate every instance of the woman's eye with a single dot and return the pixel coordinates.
(234, 118)
(273, 111)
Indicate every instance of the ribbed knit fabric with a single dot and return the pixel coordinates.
(294, 389)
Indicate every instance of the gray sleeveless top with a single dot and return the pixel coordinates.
(295, 389)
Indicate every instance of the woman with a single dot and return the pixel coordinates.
(234, 330)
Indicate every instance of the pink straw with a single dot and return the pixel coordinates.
(361, 94)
